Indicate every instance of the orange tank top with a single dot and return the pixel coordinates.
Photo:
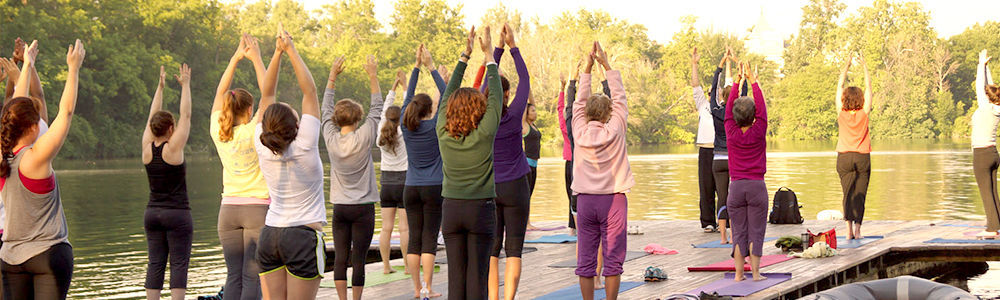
(853, 127)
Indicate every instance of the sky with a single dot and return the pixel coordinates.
(662, 18)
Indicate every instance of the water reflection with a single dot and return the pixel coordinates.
(104, 201)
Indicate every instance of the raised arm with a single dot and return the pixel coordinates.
(155, 106)
(455, 82)
(370, 129)
(11, 73)
(695, 78)
(868, 86)
(24, 79)
(520, 103)
(34, 88)
(227, 76)
(840, 83)
(329, 127)
(411, 88)
(269, 82)
(310, 102)
(982, 74)
(477, 83)
(713, 93)
(183, 127)
(497, 55)
(760, 106)
(37, 163)
(619, 110)
(494, 104)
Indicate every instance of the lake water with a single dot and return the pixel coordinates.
(104, 200)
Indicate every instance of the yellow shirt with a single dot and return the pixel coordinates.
(241, 176)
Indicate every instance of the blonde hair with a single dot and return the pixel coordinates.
(237, 101)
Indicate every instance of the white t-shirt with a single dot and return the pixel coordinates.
(294, 178)
(706, 125)
(42, 129)
(392, 161)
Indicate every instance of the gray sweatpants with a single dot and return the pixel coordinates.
(239, 229)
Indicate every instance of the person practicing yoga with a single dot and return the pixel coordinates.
(422, 193)
(984, 151)
(466, 133)
(36, 258)
(291, 248)
(601, 177)
(532, 146)
(704, 141)
(720, 157)
(853, 146)
(564, 109)
(512, 171)
(167, 221)
(393, 167)
(746, 132)
(245, 197)
(352, 176)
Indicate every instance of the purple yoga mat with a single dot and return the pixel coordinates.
(727, 287)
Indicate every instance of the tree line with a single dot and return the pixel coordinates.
(923, 83)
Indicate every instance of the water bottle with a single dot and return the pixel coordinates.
(425, 294)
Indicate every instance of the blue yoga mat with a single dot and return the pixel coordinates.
(957, 241)
(553, 239)
(716, 244)
(573, 292)
(844, 243)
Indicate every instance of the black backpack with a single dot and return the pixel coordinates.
(786, 208)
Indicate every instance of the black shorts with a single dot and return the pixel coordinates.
(299, 250)
(391, 195)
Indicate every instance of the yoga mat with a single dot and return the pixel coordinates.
(571, 263)
(716, 244)
(553, 239)
(960, 225)
(730, 266)
(329, 245)
(573, 292)
(727, 287)
(957, 241)
(374, 278)
(844, 243)
(547, 228)
(525, 250)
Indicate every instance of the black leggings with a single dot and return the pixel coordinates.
(353, 227)
(423, 215)
(854, 169)
(513, 205)
(706, 187)
(569, 193)
(45, 276)
(168, 234)
(720, 170)
(984, 165)
(468, 236)
(532, 177)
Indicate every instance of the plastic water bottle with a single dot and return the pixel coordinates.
(425, 294)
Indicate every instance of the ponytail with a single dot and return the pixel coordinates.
(237, 102)
(993, 93)
(389, 137)
(279, 128)
(417, 110)
(18, 116)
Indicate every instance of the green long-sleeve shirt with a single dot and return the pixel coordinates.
(467, 162)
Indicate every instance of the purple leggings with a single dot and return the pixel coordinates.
(601, 218)
(747, 206)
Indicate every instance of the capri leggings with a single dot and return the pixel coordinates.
(513, 203)
(45, 276)
(353, 227)
(168, 236)
(423, 215)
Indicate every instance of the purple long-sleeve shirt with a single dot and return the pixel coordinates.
(747, 150)
(509, 162)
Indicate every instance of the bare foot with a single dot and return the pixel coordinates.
(532, 227)
(598, 284)
(724, 241)
(388, 271)
(738, 277)
(759, 277)
(435, 295)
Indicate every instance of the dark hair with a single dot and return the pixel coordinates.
(598, 108)
(724, 95)
(853, 98)
(390, 137)
(161, 122)
(417, 110)
(993, 93)
(743, 111)
(280, 127)
(527, 109)
(237, 101)
(19, 115)
(346, 112)
(466, 107)
(506, 87)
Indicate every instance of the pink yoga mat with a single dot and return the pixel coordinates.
(729, 265)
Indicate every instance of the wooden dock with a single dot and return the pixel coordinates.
(904, 241)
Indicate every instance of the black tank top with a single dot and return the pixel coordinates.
(533, 143)
(167, 186)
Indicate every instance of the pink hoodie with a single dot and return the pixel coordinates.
(600, 158)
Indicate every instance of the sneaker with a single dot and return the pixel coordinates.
(653, 274)
(986, 235)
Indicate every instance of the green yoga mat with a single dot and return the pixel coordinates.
(377, 278)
